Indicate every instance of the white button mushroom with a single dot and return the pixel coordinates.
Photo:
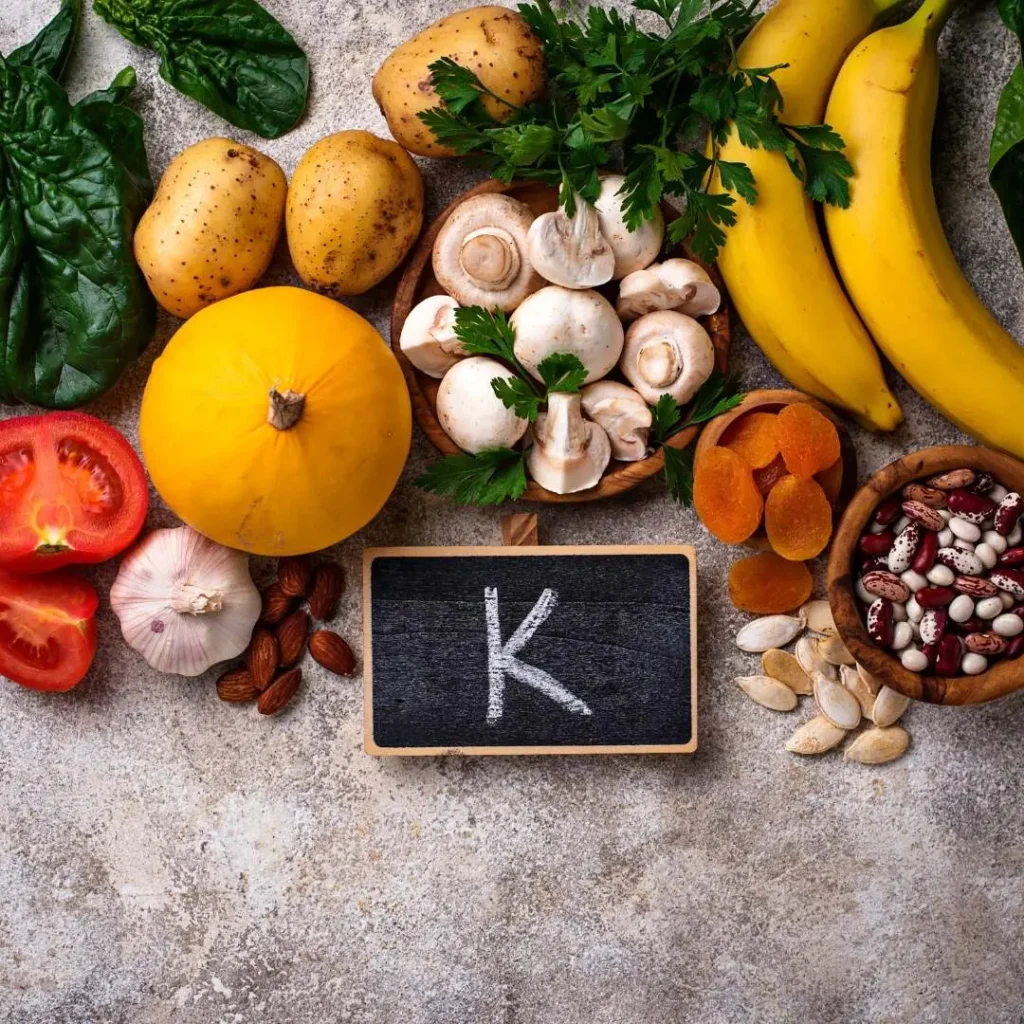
(480, 253)
(681, 285)
(633, 250)
(624, 415)
(667, 353)
(568, 454)
(469, 411)
(428, 336)
(570, 251)
(582, 323)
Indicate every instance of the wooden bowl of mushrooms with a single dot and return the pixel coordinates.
(583, 286)
(926, 575)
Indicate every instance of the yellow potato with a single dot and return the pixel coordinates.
(355, 207)
(494, 43)
(211, 229)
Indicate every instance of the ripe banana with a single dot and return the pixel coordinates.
(891, 249)
(774, 261)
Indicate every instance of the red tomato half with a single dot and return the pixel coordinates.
(47, 629)
(72, 490)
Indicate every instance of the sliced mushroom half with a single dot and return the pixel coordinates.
(582, 323)
(428, 336)
(678, 284)
(480, 253)
(469, 411)
(568, 453)
(667, 353)
(623, 413)
(571, 251)
(633, 250)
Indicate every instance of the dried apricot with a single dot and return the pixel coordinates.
(768, 584)
(797, 518)
(808, 439)
(725, 496)
(766, 478)
(831, 480)
(753, 438)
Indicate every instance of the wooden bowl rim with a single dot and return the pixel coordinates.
(626, 475)
(762, 398)
(1004, 677)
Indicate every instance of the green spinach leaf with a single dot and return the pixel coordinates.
(51, 49)
(230, 55)
(74, 308)
(1006, 156)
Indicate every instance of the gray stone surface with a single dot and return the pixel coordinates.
(164, 857)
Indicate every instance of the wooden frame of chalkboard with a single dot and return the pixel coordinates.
(370, 745)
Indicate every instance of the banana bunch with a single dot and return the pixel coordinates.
(889, 244)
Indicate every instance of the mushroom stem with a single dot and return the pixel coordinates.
(491, 257)
(286, 408)
(191, 600)
(658, 363)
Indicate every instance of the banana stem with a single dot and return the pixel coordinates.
(932, 15)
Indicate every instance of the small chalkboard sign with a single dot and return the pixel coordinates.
(535, 650)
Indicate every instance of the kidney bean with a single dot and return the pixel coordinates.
(975, 586)
(985, 643)
(975, 508)
(930, 496)
(933, 625)
(1015, 647)
(929, 518)
(885, 584)
(880, 623)
(927, 551)
(877, 543)
(953, 479)
(947, 659)
(1008, 513)
(904, 547)
(1012, 556)
(889, 510)
(934, 597)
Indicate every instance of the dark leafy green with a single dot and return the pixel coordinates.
(1006, 157)
(51, 49)
(230, 55)
(487, 478)
(74, 308)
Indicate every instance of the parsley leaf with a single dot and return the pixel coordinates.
(484, 333)
(515, 393)
(487, 478)
(562, 371)
(679, 474)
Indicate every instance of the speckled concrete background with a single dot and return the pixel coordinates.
(165, 857)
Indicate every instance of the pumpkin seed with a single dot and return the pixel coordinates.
(811, 660)
(768, 692)
(834, 651)
(851, 679)
(817, 736)
(889, 707)
(873, 684)
(818, 616)
(783, 666)
(767, 632)
(877, 746)
(836, 703)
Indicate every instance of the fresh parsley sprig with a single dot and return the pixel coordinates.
(649, 99)
(487, 478)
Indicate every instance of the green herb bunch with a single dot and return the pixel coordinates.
(659, 104)
(499, 474)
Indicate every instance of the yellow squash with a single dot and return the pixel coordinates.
(276, 421)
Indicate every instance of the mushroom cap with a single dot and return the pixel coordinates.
(428, 337)
(568, 453)
(480, 253)
(633, 250)
(624, 415)
(570, 251)
(676, 284)
(557, 319)
(469, 411)
(667, 353)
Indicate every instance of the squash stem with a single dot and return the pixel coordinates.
(285, 409)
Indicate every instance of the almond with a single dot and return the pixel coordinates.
(276, 605)
(237, 687)
(294, 576)
(328, 580)
(279, 692)
(263, 658)
(291, 636)
(331, 651)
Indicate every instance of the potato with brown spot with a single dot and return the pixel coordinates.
(494, 43)
(355, 208)
(212, 227)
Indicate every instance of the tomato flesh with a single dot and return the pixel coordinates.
(72, 490)
(47, 629)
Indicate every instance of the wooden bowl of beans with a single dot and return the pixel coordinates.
(926, 575)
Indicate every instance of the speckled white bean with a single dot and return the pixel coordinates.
(996, 541)
(1008, 600)
(914, 660)
(974, 664)
(964, 530)
(902, 634)
(946, 538)
(863, 593)
(940, 575)
(901, 524)
(988, 555)
(964, 545)
(961, 608)
(988, 608)
(899, 612)
(997, 493)
(1015, 536)
(914, 611)
(1008, 625)
(914, 580)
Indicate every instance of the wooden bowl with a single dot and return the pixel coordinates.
(773, 400)
(1005, 676)
(418, 283)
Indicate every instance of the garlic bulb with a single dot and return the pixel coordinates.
(185, 602)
